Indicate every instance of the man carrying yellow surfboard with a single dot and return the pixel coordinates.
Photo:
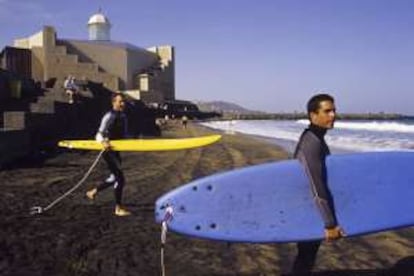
(113, 126)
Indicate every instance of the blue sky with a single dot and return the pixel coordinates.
(269, 55)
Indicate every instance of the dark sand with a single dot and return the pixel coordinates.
(80, 237)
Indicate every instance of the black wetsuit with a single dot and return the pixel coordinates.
(113, 126)
(311, 151)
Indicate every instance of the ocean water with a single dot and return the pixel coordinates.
(347, 136)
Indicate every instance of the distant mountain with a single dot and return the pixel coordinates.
(225, 107)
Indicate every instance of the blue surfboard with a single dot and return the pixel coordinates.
(272, 202)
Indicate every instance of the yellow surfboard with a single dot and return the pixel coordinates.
(143, 144)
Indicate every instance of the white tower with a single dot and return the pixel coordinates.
(99, 27)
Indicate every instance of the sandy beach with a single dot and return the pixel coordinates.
(80, 237)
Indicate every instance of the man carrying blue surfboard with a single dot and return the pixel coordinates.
(113, 126)
(311, 151)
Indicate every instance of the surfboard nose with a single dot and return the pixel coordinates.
(159, 211)
(163, 209)
(161, 206)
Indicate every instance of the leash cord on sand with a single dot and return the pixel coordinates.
(164, 230)
(38, 209)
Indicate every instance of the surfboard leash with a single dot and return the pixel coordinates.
(39, 210)
(169, 211)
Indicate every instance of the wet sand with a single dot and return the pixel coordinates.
(80, 237)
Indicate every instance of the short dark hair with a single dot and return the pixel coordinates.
(314, 102)
(114, 95)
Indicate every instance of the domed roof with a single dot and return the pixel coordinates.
(98, 18)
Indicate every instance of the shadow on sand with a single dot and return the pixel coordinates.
(404, 267)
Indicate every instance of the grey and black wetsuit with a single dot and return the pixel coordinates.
(312, 151)
(113, 126)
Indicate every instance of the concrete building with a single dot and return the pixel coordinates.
(145, 74)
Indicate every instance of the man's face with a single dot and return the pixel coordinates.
(118, 103)
(325, 116)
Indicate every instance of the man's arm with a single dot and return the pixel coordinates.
(312, 158)
(102, 134)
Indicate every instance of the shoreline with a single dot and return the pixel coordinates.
(345, 138)
(287, 146)
(80, 237)
(299, 116)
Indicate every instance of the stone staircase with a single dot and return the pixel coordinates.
(65, 62)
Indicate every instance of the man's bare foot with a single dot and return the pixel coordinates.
(121, 212)
(91, 194)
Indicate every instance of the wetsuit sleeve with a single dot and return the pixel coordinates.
(102, 133)
(311, 156)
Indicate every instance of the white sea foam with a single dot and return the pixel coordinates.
(380, 126)
(346, 136)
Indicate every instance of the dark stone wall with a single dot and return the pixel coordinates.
(13, 144)
(141, 119)
(49, 119)
(17, 60)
